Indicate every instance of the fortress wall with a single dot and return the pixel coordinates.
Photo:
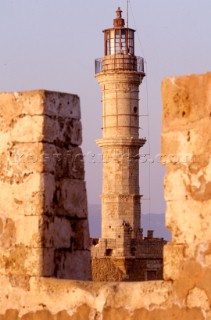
(186, 292)
(43, 208)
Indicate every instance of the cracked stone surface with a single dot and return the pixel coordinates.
(186, 292)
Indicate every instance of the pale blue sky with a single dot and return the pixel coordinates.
(52, 44)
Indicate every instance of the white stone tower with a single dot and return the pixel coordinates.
(119, 74)
(122, 254)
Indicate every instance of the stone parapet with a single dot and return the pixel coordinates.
(43, 215)
(186, 292)
(126, 259)
(186, 153)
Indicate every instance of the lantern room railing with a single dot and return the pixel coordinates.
(118, 63)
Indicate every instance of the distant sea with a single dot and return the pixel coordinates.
(151, 221)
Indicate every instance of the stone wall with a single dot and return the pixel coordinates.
(43, 209)
(141, 259)
(186, 292)
(127, 269)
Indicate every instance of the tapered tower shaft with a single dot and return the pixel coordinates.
(119, 74)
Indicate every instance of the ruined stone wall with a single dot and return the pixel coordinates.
(127, 269)
(43, 209)
(143, 259)
(186, 149)
(186, 291)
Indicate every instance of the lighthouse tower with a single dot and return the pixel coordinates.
(122, 250)
(119, 76)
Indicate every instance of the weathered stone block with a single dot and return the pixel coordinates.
(46, 129)
(48, 187)
(75, 130)
(183, 100)
(17, 104)
(23, 197)
(186, 142)
(62, 233)
(19, 160)
(175, 185)
(28, 129)
(189, 220)
(10, 315)
(75, 163)
(197, 298)
(20, 281)
(71, 265)
(38, 102)
(39, 160)
(62, 132)
(7, 232)
(28, 231)
(172, 260)
(62, 105)
(73, 198)
(80, 235)
(21, 260)
(42, 232)
(188, 181)
(33, 195)
(40, 116)
(64, 162)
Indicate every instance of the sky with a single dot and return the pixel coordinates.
(52, 44)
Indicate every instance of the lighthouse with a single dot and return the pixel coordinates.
(122, 247)
(120, 73)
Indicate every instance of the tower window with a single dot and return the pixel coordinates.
(133, 251)
(109, 252)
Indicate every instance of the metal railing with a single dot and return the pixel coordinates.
(117, 63)
(140, 64)
(98, 65)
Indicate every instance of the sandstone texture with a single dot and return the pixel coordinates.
(120, 148)
(43, 208)
(185, 292)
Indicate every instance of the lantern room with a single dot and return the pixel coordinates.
(119, 40)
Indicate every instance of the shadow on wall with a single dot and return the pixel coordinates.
(65, 230)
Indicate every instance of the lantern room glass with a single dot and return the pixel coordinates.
(119, 41)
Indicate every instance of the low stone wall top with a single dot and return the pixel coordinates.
(186, 293)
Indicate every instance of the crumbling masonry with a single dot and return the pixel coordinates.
(185, 292)
(43, 209)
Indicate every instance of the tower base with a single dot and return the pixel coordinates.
(143, 262)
